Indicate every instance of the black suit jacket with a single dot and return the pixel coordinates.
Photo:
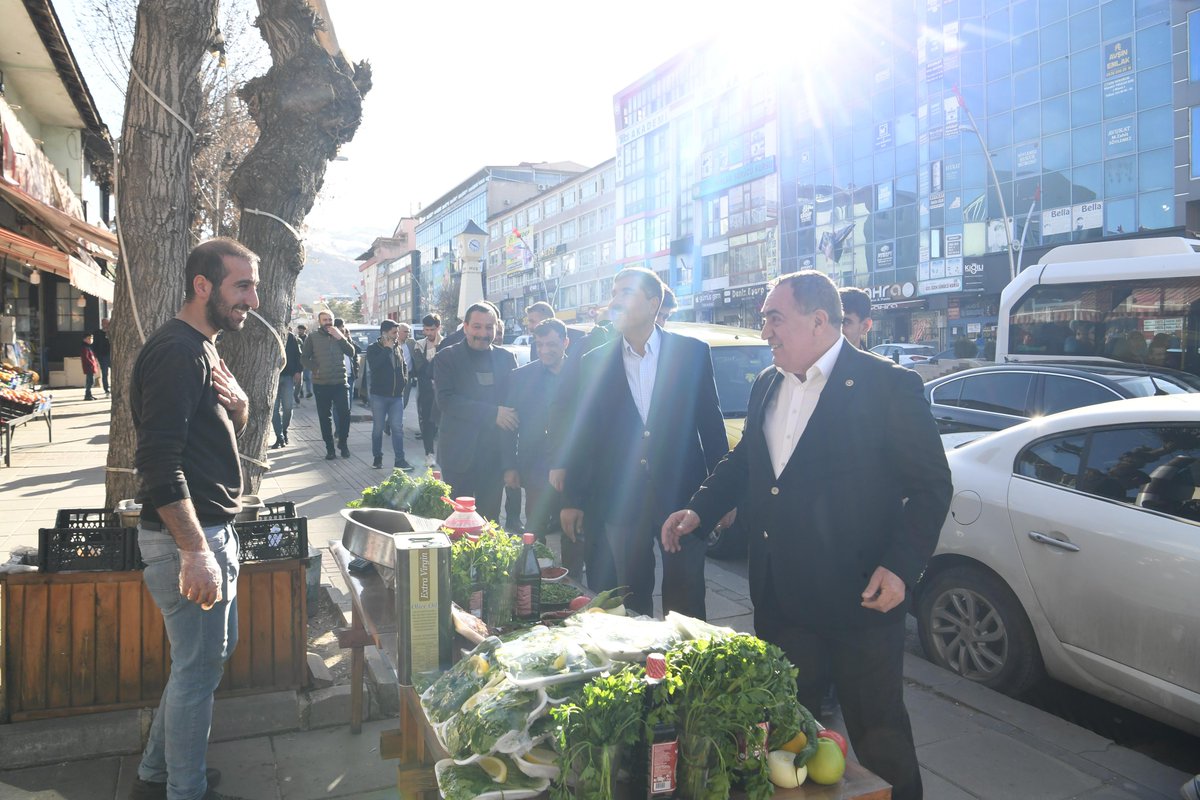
(468, 427)
(536, 393)
(620, 469)
(868, 485)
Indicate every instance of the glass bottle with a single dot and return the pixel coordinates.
(527, 583)
(658, 755)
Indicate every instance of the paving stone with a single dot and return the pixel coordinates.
(332, 762)
(329, 706)
(927, 673)
(1140, 770)
(938, 788)
(991, 764)
(86, 780)
(255, 715)
(934, 721)
(247, 767)
(29, 744)
(1108, 792)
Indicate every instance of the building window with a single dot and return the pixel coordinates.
(568, 198)
(70, 315)
(567, 231)
(715, 265)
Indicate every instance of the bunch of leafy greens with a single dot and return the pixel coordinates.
(497, 709)
(594, 728)
(456, 685)
(425, 496)
(468, 781)
(720, 689)
(491, 556)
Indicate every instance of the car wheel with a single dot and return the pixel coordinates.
(726, 543)
(971, 623)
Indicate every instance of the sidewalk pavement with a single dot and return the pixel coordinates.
(971, 742)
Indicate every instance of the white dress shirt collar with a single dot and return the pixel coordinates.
(822, 366)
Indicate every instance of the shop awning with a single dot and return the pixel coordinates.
(37, 255)
(88, 279)
(68, 232)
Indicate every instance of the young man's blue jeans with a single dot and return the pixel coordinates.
(285, 401)
(387, 409)
(201, 642)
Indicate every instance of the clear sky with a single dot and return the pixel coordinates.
(458, 85)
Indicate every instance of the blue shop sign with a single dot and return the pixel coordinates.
(737, 176)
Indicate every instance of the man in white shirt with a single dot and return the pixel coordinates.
(842, 484)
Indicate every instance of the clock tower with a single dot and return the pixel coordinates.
(469, 247)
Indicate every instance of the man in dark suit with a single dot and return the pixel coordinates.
(471, 379)
(843, 486)
(535, 391)
(646, 428)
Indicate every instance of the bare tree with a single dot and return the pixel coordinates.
(306, 106)
(154, 209)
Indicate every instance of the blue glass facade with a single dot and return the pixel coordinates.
(884, 180)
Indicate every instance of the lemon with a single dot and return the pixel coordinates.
(479, 664)
(561, 661)
(797, 744)
(496, 769)
(541, 755)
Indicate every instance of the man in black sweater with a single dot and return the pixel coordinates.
(188, 411)
(102, 347)
(289, 387)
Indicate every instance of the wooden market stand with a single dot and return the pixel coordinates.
(414, 743)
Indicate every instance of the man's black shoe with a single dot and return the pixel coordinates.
(378, 463)
(278, 443)
(285, 440)
(329, 454)
(345, 449)
(404, 465)
(149, 790)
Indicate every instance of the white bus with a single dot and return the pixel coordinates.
(1135, 300)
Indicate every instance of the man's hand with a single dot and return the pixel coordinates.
(200, 577)
(229, 393)
(884, 591)
(558, 479)
(512, 479)
(298, 378)
(507, 418)
(727, 521)
(572, 522)
(334, 332)
(678, 525)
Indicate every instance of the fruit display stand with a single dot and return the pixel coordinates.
(414, 743)
(20, 407)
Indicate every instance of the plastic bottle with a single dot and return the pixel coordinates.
(658, 755)
(464, 520)
(527, 583)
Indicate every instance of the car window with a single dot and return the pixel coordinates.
(735, 369)
(946, 394)
(1146, 386)
(1054, 460)
(1150, 467)
(1061, 392)
(999, 393)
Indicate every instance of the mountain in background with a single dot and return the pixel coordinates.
(330, 268)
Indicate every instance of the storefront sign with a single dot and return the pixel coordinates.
(1088, 216)
(953, 244)
(1119, 137)
(807, 209)
(891, 292)
(972, 274)
(737, 176)
(1118, 67)
(754, 292)
(885, 256)
(940, 286)
(1056, 221)
(1028, 159)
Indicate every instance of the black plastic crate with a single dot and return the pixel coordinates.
(272, 539)
(85, 518)
(283, 509)
(103, 549)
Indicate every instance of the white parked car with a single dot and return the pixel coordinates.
(1073, 547)
(903, 353)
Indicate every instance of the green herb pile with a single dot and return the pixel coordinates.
(592, 731)
(719, 689)
(468, 781)
(498, 708)
(558, 594)
(425, 496)
(456, 685)
(491, 555)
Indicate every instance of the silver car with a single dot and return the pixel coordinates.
(1072, 548)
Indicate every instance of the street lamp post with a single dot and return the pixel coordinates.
(1012, 267)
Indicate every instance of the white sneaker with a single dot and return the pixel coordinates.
(430, 461)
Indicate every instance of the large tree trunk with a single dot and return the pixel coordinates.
(306, 106)
(154, 212)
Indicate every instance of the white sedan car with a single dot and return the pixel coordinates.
(1072, 547)
(904, 353)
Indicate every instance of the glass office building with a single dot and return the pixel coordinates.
(1083, 107)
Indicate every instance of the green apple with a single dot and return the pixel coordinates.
(828, 765)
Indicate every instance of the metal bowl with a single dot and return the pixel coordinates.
(370, 533)
(251, 507)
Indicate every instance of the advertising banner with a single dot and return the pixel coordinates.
(1118, 67)
(1056, 221)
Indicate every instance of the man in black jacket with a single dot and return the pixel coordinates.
(471, 379)
(535, 391)
(644, 429)
(102, 347)
(842, 483)
(427, 408)
(285, 399)
(188, 411)
(389, 379)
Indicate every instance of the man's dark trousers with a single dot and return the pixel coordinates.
(427, 414)
(868, 669)
(329, 398)
(482, 482)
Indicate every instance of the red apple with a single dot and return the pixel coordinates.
(835, 736)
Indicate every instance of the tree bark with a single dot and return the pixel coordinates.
(154, 209)
(306, 106)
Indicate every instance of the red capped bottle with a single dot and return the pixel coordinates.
(659, 756)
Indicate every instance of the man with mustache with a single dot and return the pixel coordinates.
(188, 411)
(471, 379)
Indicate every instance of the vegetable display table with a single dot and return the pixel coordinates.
(415, 745)
(14, 415)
